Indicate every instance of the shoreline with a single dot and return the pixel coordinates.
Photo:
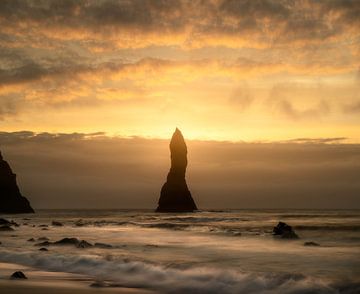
(44, 282)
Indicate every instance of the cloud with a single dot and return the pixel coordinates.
(296, 102)
(186, 23)
(9, 105)
(287, 108)
(316, 140)
(241, 97)
(352, 108)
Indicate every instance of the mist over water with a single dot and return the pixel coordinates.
(205, 252)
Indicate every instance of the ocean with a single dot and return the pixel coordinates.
(220, 251)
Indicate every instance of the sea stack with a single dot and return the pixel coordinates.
(175, 195)
(11, 200)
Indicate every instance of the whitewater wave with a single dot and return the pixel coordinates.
(173, 280)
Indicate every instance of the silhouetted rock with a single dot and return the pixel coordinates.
(57, 224)
(31, 240)
(284, 231)
(6, 228)
(18, 275)
(11, 200)
(84, 244)
(175, 195)
(311, 244)
(67, 241)
(43, 249)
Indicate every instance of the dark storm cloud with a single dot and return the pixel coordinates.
(143, 14)
(289, 20)
(93, 170)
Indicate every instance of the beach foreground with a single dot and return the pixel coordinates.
(42, 282)
(204, 252)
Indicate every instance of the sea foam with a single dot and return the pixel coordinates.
(139, 274)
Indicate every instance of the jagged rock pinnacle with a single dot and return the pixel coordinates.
(11, 200)
(175, 195)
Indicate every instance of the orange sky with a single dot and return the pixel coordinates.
(219, 70)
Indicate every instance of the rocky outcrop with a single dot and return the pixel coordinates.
(11, 200)
(284, 231)
(175, 195)
(18, 275)
(311, 243)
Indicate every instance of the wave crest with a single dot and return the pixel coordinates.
(173, 280)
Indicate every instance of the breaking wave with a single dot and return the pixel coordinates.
(121, 273)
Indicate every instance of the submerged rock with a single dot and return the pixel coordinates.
(18, 275)
(43, 239)
(6, 228)
(103, 245)
(284, 231)
(31, 240)
(43, 249)
(45, 243)
(311, 244)
(79, 223)
(11, 199)
(84, 244)
(175, 195)
(5, 222)
(57, 224)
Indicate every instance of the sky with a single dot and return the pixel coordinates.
(220, 69)
(266, 93)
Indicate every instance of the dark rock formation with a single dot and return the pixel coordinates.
(103, 245)
(84, 244)
(284, 231)
(175, 195)
(6, 228)
(43, 249)
(11, 200)
(5, 222)
(311, 244)
(18, 275)
(67, 241)
(45, 243)
(57, 224)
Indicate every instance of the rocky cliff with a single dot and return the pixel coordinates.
(11, 200)
(175, 195)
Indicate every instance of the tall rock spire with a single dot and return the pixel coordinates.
(175, 195)
(11, 200)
